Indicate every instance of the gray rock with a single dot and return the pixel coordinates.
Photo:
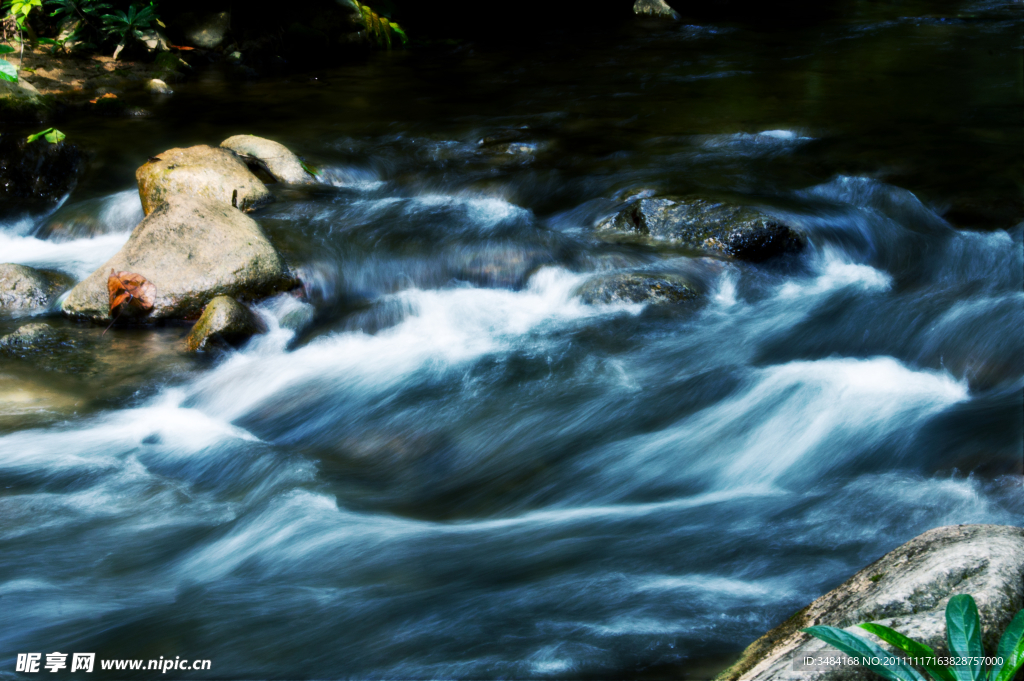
(907, 590)
(20, 103)
(200, 171)
(192, 250)
(705, 226)
(636, 287)
(24, 288)
(657, 8)
(272, 157)
(27, 336)
(209, 30)
(226, 321)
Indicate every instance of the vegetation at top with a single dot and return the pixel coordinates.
(963, 638)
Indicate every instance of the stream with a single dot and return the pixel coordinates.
(439, 462)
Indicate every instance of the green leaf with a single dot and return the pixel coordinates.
(32, 138)
(855, 646)
(1011, 649)
(6, 49)
(910, 647)
(401, 34)
(55, 136)
(963, 634)
(8, 71)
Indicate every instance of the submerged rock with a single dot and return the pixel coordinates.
(705, 226)
(192, 250)
(656, 8)
(224, 320)
(35, 176)
(636, 287)
(24, 288)
(907, 590)
(200, 171)
(272, 157)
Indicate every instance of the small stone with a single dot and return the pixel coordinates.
(224, 320)
(158, 87)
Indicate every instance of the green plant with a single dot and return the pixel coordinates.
(20, 10)
(86, 16)
(8, 71)
(127, 26)
(51, 135)
(380, 28)
(963, 636)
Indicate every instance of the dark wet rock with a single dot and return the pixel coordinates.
(705, 226)
(655, 8)
(637, 287)
(225, 321)
(24, 288)
(906, 590)
(192, 250)
(36, 176)
(200, 171)
(272, 157)
(21, 102)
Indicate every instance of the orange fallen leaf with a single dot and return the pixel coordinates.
(109, 95)
(181, 47)
(131, 291)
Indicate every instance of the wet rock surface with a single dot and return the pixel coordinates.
(36, 176)
(705, 226)
(192, 250)
(907, 590)
(24, 288)
(270, 156)
(200, 171)
(637, 287)
(225, 321)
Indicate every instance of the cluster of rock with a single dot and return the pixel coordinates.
(196, 244)
(906, 590)
(691, 226)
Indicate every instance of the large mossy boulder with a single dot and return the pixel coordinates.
(35, 177)
(192, 249)
(200, 171)
(271, 157)
(654, 8)
(907, 590)
(225, 321)
(705, 226)
(636, 287)
(19, 103)
(23, 288)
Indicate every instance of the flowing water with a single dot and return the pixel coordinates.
(439, 463)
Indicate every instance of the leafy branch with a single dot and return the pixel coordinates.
(380, 28)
